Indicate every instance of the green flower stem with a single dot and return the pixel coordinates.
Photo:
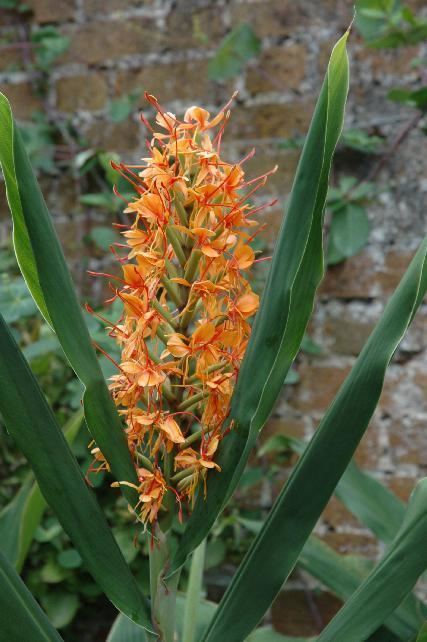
(172, 290)
(176, 244)
(145, 461)
(192, 401)
(192, 265)
(172, 269)
(182, 474)
(188, 314)
(181, 211)
(193, 593)
(209, 370)
(192, 438)
(165, 313)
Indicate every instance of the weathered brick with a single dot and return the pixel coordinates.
(12, 50)
(270, 121)
(395, 265)
(70, 235)
(96, 42)
(287, 426)
(200, 28)
(352, 543)
(292, 611)
(270, 18)
(118, 137)
(46, 11)
(352, 279)
(388, 61)
(368, 450)
(317, 387)
(336, 514)
(176, 81)
(277, 69)
(348, 336)
(23, 99)
(64, 198)
(92, 7)
(267, 156)
(88, 92)
(408, 443)
(272, 220)
(401, 486)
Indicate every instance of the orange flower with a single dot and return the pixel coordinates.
(186, 304)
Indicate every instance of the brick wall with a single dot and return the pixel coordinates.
(164, 47)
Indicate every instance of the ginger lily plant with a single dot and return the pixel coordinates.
(195, 386)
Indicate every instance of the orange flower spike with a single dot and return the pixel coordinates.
(186, 304)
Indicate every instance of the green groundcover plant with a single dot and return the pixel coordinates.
(194, 387)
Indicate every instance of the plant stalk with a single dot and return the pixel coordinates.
(194, 593)
(163, 592)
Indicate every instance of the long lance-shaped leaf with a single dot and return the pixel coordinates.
(43, 266)
(32, 424)
(275, 551)
(123, 630)
(390, 581)
(370, 501)
(286, 305)
(21, 618)
(343, 574)
(20, 518)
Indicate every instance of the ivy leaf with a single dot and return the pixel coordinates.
(121, 108)
(50, 44)
(69, 558)
(348, 233)
(60, 607)
(103, 236)
(416, 98)
(239, 46)
(16, 300)
(361, 141)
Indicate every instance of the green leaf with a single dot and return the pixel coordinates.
(69, 558)
(422, 634)
(292, 378)
(21, 618)
(348, 233)
(296, 510)
(121, 108)
(361, 141)
(373, 16)
(416, 98)
(311, 347)
(267, 634)
(15, 300)
(60, 607)
(389, 583)
(342, 574)
(374, 505)
(123, 630)
(103, 200)
(52, 573)
(20, 518)
(43, 266)
(286, 305)
(32, 424)
(49, 44)
(239, 46)
(103, 236)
